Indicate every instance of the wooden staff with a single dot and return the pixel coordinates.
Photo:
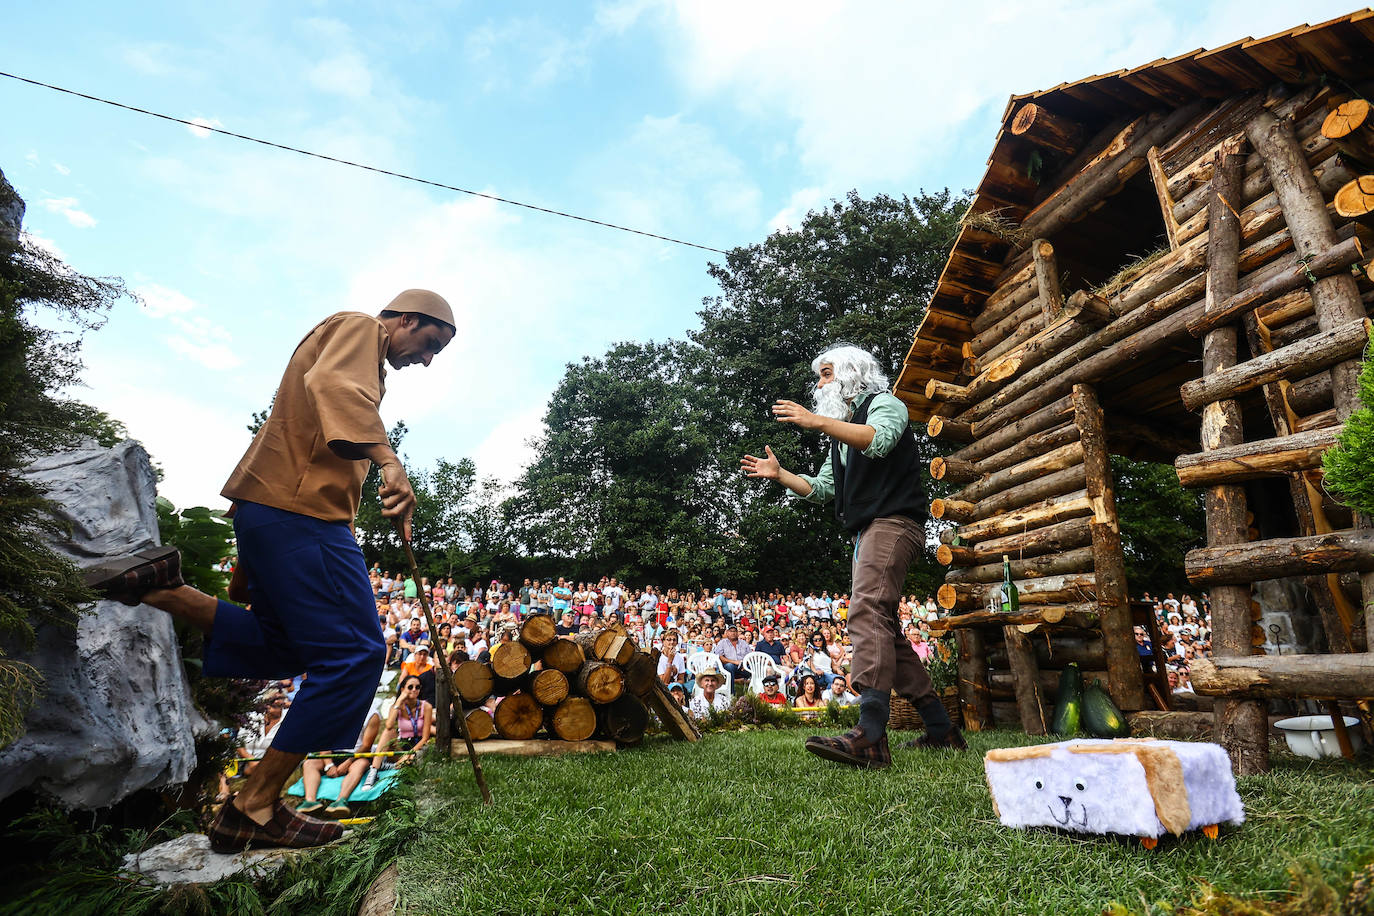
(443, 666)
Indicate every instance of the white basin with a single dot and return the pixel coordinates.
(1315, 736)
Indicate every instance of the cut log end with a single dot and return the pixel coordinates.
(1346, 118)
(944, 555)
(1356, 199)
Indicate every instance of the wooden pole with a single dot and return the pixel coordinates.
(1241, 725)
(1349, 676)
(1025, 672)
(1125, 681)
(1335, 299)
(1253, 460)
(1047, 279)
(1335, 552)
(974, 697)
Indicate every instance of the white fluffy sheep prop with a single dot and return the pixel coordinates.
(1133, 787)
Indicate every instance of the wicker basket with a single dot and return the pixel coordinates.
(904, 717)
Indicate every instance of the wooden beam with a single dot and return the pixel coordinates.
(949, 429)
(1034, 543)
(975, 700)
(1166, 202)
(1277, 558)
(1040, 126)
(1343, 677)
(1254, 460)
(1295, 361)
(1125, 682)
(989, 443)
(1025, 672)
(1047, 280)
(1070, 561)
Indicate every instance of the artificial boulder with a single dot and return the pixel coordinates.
(116, 713)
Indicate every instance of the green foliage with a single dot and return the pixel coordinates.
(37, 363)
(204, 537)
(638, 475)
(1160, 523)
(1349, 466)
(943, 665)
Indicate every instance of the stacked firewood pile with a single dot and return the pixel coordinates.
(598, 685)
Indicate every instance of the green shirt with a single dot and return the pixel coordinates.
(888, 417)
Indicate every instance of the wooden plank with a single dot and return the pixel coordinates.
(533, 747)
(1344, 677)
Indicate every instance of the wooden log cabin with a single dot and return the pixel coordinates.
(1154, 265)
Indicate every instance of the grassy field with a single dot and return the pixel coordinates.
(750, 823)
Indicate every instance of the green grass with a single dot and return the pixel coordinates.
(750, 823)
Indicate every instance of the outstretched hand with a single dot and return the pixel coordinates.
(792, 412)
(769, 468)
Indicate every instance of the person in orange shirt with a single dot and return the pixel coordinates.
(295, 494)
(419, 662)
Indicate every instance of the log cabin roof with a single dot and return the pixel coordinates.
(1342, 48)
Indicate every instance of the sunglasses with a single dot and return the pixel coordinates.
(412, 687)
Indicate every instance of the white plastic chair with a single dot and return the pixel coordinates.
(759, 665)
(703, 660)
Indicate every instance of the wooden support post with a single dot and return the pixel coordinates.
(1025, 673)
(974, 695)
(443, 724)
(1125, 680)
(1335, 299)
(1047, 279)
(1241, 725)
(1166, 202)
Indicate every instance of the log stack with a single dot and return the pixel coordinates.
(599, 685)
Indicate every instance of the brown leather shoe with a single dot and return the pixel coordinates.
(952, 739)
(853, 748)
(234, 831)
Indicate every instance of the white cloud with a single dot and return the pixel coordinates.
(40, 240)
(61, 169)
(507, 449)
(792, 215)
(200, 339)
(346, 74)
(31, 157)
(161, 301)
(619, 16)
(70, 208)
(203, 125)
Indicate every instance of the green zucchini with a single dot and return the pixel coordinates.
(1100, 715)
(1068, 703)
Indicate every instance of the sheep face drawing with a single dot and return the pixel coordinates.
(1138, 788)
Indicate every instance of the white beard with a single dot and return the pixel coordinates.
(830, 402)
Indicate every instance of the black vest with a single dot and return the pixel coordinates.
(868, 488)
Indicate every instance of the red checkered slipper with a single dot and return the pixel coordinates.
(853, 748)
(130, 577)
(234, 831)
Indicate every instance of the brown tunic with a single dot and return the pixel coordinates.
(304, 458)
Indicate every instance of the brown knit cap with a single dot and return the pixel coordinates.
(424, 302)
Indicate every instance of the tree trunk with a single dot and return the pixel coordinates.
(952, 510)
(473, 681)
(1126, 683)
(607, 645)
(480, 725)
(672, 716)
(1030, 447)
(640, 674)
(1050, 539)
(565, 655)
(1311, 395)
(510, 660)
(1243, 728)
(1026, 674)
(1047, 280)
(1344, 677)
(624, 721)
(1080, 615)
(991, 443)
(574, 719)
(1039, 126)
(1055, 650)
(1298, 360)
(549, 686)
(1049, 512)
(1075, 320)
(982, 344)
(949, 429)
(1007, 298)
(1246, 562)
(1060, 589)
(1058, 459)
(537, 632)
(974, 699)
(518, 717)
(954, 470)
(1253, 460)
(947, 393)
(1071, 561)
(1328, 263)
(1002, 683)
(600, 682)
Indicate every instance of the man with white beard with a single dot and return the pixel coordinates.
(873, 474)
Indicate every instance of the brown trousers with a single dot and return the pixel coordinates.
(883, 657)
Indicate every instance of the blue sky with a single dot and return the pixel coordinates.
(710, 121)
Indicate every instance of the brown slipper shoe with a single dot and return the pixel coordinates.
(130, 577)
(853, 748)
(234, 831)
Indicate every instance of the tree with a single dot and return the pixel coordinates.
(1160, 522)
(1349, 466)
(36, 363)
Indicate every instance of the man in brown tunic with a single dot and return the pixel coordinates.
(295, 494)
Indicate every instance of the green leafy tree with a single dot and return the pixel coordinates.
(1349, 466)
(36, 363)
(1160, 522)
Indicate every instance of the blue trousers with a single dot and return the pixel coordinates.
(313, 612)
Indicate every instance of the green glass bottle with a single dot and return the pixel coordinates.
(1011, 601)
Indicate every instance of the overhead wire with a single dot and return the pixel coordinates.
(885, 287)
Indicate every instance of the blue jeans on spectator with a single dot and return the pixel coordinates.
(733, 669)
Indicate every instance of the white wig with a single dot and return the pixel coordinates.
(856, 371)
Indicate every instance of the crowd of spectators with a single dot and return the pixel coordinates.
(1185, 631)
